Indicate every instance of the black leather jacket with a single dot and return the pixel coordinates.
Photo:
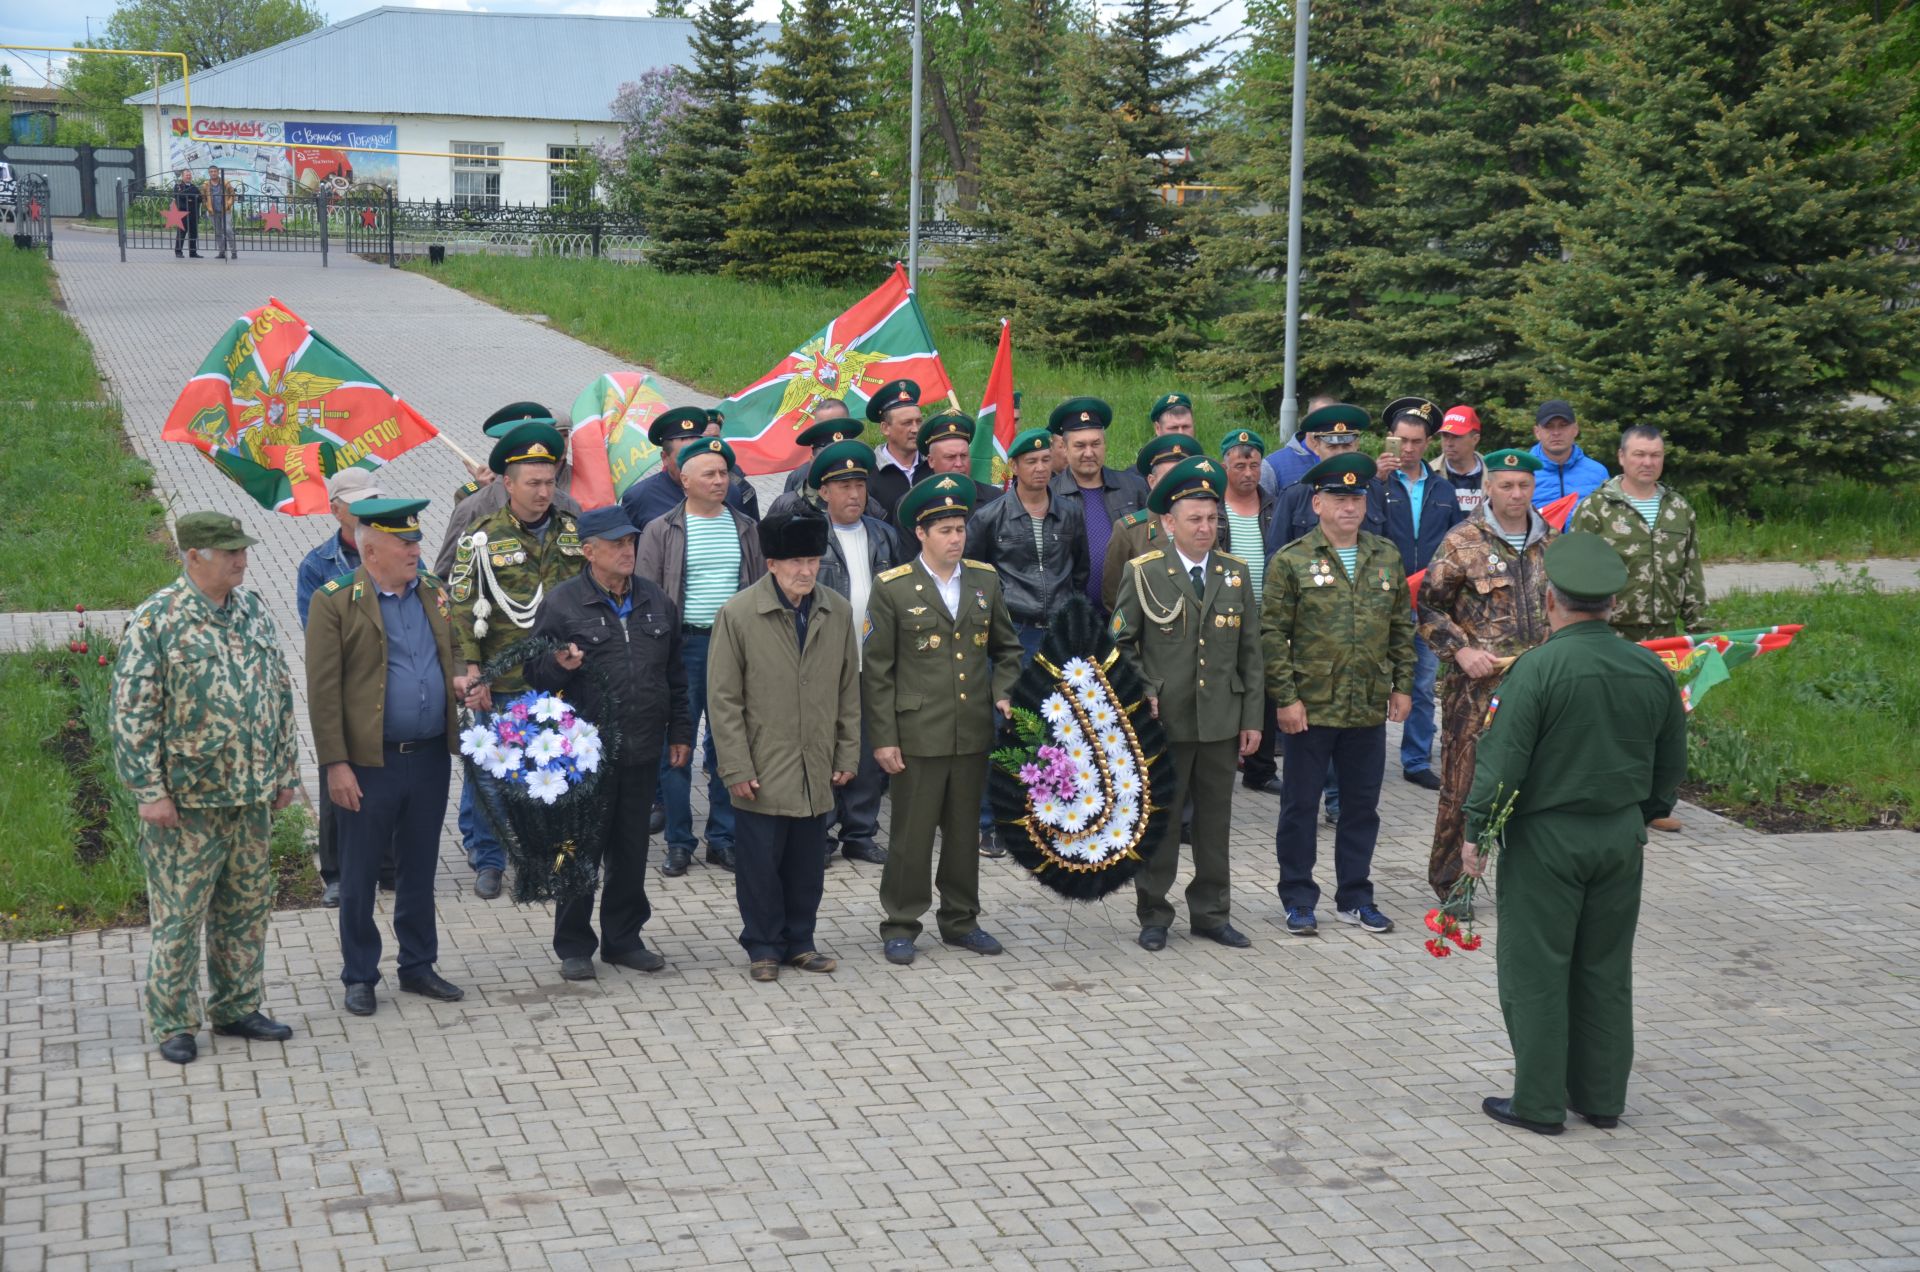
(1001, 535)
(884, 551)
(640, 662)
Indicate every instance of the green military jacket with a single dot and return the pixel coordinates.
(203, 702)
(1590, 731)
(929, 682)
(1339, 645)
(1666, 583)
(500, 562)
(347, 667)
(1200, 656)
(1139, 531)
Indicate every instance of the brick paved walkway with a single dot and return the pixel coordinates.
(1077, 1103)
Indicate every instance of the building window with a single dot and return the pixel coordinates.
(558, 190)
(476, 174)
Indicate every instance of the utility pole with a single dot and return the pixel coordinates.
(913, 161)
(1290, 401)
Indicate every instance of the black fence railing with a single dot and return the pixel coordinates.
(30, 212)
(161, 217)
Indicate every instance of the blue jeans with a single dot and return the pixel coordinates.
(1416, 735)
(484, 851)
(1030, 637)
(676, 784)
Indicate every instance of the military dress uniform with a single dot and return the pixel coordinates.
(1197, 645)
(1589, 735)
(1139, 531)
(929, 682)
(1341, 644)
(1666, 583)
(203, 716)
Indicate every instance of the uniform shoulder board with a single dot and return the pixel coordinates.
(431, 579)
(334, 585)
(1228, 556)
(1137, 517)
(887, 576)
(471, 488)
(1145, 557)
(978, 565)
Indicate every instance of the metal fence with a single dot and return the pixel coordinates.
(31, 213)
(80, 179)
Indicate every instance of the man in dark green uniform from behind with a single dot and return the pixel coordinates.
(1589, 731)
(941, 655)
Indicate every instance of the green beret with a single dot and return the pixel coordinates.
(1426, 410)
(891, 394)
(1196, 477)
(1080, 412)
(827, 432)
(1243, 437)
(501, 422)
(681, 421)
(942, 495)
(529, 443)
(704, 446)
(1032, 441)
(1181, 444)
(1342, 475)
(1585, 566)
(211, 530)
(1341, 419)
(840, 460)
(398, 517)
(1167, 402)
(1511, 461)
(946, 425)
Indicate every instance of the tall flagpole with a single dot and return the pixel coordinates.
(1289, 401)
(913, 162)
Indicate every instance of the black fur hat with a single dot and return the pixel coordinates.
(793, 532)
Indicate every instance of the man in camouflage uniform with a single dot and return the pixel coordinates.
(203, 738)
(501, 572)
(1483, 601)
(485, 494)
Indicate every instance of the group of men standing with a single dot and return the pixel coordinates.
(866, 634)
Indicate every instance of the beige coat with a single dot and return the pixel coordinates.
(786, 719)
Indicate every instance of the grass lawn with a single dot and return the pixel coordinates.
(1837, 520)
(76, 506)
(1825, 733)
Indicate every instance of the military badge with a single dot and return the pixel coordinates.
(1492, 709)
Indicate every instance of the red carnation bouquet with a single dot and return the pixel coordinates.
(1452, 921)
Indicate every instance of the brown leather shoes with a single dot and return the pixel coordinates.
(763, 969)
(1668, 824)
(814, 961)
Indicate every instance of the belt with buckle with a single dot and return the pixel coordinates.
(408, 748)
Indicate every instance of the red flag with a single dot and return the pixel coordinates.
(993, 431)
(277, 408)
(1557, 512)
(1413, 586)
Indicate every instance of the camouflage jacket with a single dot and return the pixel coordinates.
(1478, 591)
(1339, 645)
(203, 702)
(501, 562)
(1666, 584)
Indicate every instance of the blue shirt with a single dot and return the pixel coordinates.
(328, 561)
(1416, 490)
(416, 688)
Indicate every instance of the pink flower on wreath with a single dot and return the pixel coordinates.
(1029, 774)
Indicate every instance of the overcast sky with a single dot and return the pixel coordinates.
(38, 22)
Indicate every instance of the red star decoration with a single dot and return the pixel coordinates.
(33, 210)
(366, 217)
(176, 219)
(273, 219)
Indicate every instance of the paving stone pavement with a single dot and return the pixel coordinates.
(1077, 1103)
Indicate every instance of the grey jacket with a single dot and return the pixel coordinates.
(662, 555)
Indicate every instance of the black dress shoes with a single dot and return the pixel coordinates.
(721, 857)
(640, 960)
(1226, 934)
(360, 999)
(486, 884)
(1423, 778)
(678, 859)
(1605, 1121)
(330, 897)
(1153, 938)
(656, 820)
(872, 854)
(429, 985)
(1269, 786)
(1501, 1110)
(258, 1027)
(577, 969)
(180, 1049)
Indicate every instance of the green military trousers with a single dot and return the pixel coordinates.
(934, 792)
(214, 869)
(1206, 771)
(1569, 900)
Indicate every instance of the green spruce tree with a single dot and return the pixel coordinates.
(1732, 274)
(805, 208)
(706, 150)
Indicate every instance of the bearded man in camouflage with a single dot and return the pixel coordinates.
(203, 737)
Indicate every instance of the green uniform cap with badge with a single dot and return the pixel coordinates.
(1341, 475)
(1169, 402)
(826, 432)
(840, 461)
(1343, 422)
(397, 517)
(527, 444)
(1198, 477)
(945, 495)
(891, 394)
(502, 421)
(704, 446)
(946, 425)
(1079, 413)
(1511, 461)
(680, 422)
(1030, 442)
(211, 530)
(1243, 437)
(1181, 445)
(1585, 566)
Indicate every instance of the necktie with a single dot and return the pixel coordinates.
(1199, 577)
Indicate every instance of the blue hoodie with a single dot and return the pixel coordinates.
(1580, 475)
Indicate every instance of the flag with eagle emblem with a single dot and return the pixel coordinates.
(883, 337)
(279, 410)
(608, 448)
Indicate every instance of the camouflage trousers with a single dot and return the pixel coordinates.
(214, 869)
(1463, 712)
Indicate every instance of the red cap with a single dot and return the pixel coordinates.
(1460, 421)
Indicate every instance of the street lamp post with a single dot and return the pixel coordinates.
(913, 162)
(1289, 401)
